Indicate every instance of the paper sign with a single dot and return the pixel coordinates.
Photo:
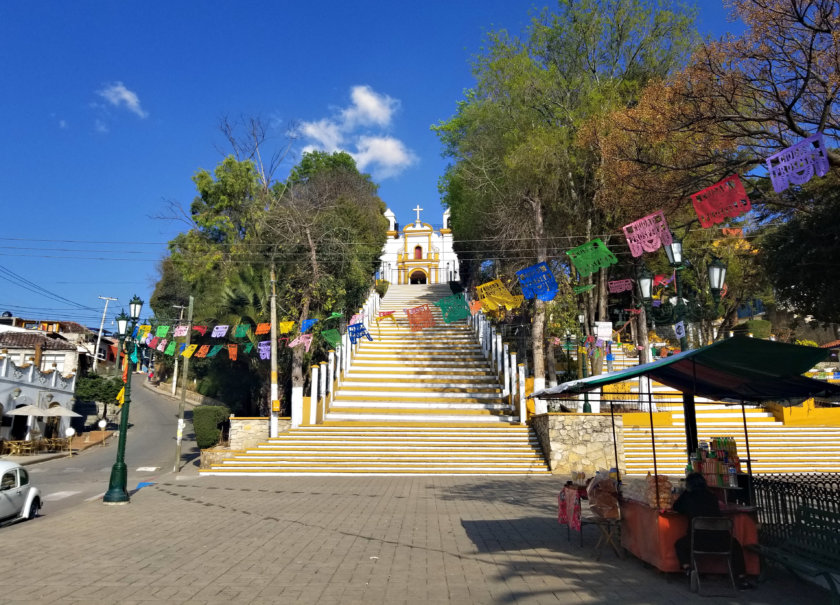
(264, 347)
(453, 308)
(725, 199)
(420, 317)
(591, 256)
(620, 285)
(179, 331)
(537, 281)
(303, 339)
(219, 331)
(679, 329)
(647, 234)
(263, 328)
(798, 163)
(357, 332)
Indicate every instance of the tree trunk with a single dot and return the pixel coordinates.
(551, 363)
(297, 355)
(538, 324)
(642, 333)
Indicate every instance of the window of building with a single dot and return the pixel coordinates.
(418, 252)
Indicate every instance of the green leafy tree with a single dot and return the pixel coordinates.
(521, 178)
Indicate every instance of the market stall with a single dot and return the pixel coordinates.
(735, 370)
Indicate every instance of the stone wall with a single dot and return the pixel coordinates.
(247, 433)
(579, 442)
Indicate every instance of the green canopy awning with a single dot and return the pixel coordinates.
(736, 369)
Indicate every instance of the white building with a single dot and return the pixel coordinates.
(418, 255)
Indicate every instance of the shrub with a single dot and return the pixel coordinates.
(206, 421)
(760, 328)
(381, 286)
(97, 388)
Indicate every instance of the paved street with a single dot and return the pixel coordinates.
(150, 452)
(334, 540)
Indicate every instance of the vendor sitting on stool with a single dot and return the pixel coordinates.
(698, 501)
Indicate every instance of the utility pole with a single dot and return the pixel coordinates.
(181, 405)
(275, 400)
(175, 373)
(107, 299)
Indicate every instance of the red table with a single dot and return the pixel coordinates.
(650, 534)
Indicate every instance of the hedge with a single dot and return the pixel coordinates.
(206, 421)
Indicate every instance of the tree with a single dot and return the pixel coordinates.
(799, 253)
(519, 178)
(328, 230)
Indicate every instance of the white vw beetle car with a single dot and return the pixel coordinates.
(18, 498)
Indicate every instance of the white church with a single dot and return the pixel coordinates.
(418, 255)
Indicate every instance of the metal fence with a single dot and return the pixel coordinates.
(778, 497)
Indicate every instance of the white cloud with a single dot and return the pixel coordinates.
(62, 124)
(117, 94)
(369, 108)
(357, 129)
(100, 126)
(326, 133)
(385, 156)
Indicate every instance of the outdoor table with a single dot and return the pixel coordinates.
(650, 534)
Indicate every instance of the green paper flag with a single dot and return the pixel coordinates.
(591, 256)
(248, 347)
(333, 337)
(170, 348)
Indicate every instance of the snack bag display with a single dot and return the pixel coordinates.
(603, 497)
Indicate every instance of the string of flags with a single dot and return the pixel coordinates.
(714, 204)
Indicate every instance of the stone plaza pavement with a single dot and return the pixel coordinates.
(335, 540)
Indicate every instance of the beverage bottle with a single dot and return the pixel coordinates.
(733, 476)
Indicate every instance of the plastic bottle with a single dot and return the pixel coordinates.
(733, 476)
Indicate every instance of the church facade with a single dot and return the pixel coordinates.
(418, 254)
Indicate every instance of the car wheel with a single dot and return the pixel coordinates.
(34, 508)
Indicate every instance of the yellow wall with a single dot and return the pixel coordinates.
(805, 414)
(642, 419)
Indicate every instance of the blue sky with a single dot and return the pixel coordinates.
(109, 108)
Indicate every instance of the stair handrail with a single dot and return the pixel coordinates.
(501, 359)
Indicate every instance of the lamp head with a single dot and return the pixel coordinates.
(717, 277)
(674, 251)
(122, 323)
(135, 305)
(645, 281)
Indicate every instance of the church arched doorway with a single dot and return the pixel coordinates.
(417, 277)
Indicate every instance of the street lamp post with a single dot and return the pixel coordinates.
(568, 354)
(587, 408)
(117, 492)
(675, 258)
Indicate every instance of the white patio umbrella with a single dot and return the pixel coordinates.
(28, 410)
(62, 412)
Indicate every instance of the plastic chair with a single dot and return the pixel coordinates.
(711, 545)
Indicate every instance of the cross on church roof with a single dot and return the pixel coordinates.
(417, 210)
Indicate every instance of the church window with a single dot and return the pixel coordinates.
(418, 252)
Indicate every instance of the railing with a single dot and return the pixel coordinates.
(778, 497)
(502, 361)
(328, 375)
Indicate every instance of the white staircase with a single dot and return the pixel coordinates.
(424, 402)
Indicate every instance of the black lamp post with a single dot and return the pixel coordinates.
(568, 354)
(117, 493)
(587, 408)
(675, 258)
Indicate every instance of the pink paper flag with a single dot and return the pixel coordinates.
(647, 234)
